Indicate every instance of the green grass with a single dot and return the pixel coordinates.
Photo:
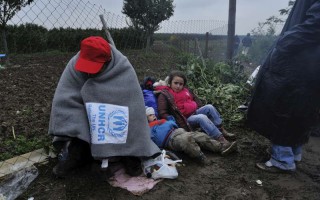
(21, 145)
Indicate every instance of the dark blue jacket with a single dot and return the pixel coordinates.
(150, 100)
(285, 107)
(247, 41)
(161, 131)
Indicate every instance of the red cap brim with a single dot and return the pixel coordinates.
(88, 66)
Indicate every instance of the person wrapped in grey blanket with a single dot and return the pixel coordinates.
(98, 110)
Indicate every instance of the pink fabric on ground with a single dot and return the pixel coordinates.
(136, 185)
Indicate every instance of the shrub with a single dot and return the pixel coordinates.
(221, 84)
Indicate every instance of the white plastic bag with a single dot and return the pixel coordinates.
(161, 167)
(16, 183)
(252, 78)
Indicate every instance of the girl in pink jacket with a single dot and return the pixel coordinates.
(178, 101)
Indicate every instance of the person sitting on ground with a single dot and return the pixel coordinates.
(187, 109)
(98, 111)
(149, 96)
(166, 134)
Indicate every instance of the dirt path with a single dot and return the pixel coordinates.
(232, 177)
(29, 90)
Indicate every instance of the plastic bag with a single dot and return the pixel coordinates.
(252, 78)
(161, 167)
(16, 183)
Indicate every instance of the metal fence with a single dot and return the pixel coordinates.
(207, 37)
(37, 23)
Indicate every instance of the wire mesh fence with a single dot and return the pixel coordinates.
(60, 25)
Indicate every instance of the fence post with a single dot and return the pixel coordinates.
(104, 26)
(5, 44)
(231, 28)
(206, 45)
(200, 53)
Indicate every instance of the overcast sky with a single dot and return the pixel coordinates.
(249, 12)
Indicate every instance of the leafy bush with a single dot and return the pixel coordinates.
(221, 84)
(32, 38)
(129, 38)
(68, 39)
(26, 38)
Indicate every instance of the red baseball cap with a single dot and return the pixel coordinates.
(94, 53)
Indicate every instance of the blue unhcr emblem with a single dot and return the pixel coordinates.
(117, 125)
(108, 123)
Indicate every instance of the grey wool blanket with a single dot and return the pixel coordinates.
(106, 110)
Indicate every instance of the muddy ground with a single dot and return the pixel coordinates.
(29, 86)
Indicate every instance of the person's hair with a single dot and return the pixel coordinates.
(179, 74)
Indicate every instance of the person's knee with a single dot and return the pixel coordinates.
(196, 119)
(202, 118)
(211, 108)
(186, 139)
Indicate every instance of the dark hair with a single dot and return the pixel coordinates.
(147, 83)
(179, 74)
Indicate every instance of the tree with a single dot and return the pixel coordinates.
(8, 8)
(286, 11)
(273, 20)
(265, 33)
(271, 23)
(147, 15)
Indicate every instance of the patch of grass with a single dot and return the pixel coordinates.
(21, 144)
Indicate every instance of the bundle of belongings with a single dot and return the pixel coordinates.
(154, 171)
(161, 167)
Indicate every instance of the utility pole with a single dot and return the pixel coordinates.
(231, 28)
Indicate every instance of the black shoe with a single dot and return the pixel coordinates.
(204, 161)
(132, 165)
(74, 154)
(105, 174)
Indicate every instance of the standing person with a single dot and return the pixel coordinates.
(246, 43)
(98, 110)
(286, 100)
(187, 109)
(165, 133)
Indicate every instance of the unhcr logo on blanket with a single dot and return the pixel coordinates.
(108, 123)
(117, 123)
